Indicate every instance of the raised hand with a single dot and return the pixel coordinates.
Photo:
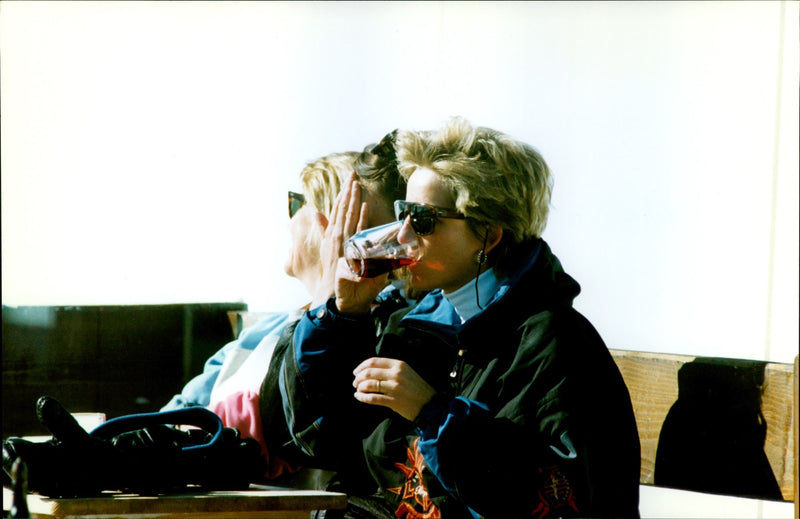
(335, 232)
(354, 295)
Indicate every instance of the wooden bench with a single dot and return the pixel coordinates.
(256, 503)
(653, 382)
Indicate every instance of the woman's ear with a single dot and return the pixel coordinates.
(494, 233)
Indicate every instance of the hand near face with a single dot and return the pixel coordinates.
(393, 384)
(335, 232)
(354, 295)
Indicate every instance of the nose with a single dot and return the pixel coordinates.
(406, 234)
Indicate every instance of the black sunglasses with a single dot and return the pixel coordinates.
(296, 201)
(423, 216)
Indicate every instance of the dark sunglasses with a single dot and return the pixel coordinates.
(423, 216)
(296, 201)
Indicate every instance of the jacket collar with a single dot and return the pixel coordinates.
(438, 310)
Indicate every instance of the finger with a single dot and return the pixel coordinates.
(353, 210)
(373, 386)
(334, 231)
(342, 201)
(374, 399)
(375, 362)
(370, 374)
(337, 207)
(362, 218)
(347, 191)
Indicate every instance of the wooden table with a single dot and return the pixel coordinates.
(257, 503)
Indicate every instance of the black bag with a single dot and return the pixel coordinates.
(138, 453)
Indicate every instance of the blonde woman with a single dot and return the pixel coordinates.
(493, 396)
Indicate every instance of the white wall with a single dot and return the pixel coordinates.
(147, 147)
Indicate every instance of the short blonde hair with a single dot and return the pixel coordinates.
(376, 171)
(493, 178)
(322, 179)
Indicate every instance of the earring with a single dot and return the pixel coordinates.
(481, 258)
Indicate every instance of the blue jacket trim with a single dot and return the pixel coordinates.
(434, 422)
(307, 352)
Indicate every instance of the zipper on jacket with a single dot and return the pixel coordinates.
(458, 371)
(456, 374)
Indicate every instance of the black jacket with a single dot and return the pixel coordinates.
(532, 417)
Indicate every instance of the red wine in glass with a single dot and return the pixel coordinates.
(372, 267)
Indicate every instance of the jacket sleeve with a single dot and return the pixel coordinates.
(315, 383)
(197, 392)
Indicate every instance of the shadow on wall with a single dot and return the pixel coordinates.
(713, 437)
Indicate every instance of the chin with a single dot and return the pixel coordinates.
(417, 282)
(422, 276)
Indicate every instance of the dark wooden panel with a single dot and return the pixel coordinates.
(113, 359)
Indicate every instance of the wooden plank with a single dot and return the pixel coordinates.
(282, 503)
(652, 380)
(796, 425)
(777, 404)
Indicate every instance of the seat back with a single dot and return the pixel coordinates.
(701, 423)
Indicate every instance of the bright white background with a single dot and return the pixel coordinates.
(147, 147)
